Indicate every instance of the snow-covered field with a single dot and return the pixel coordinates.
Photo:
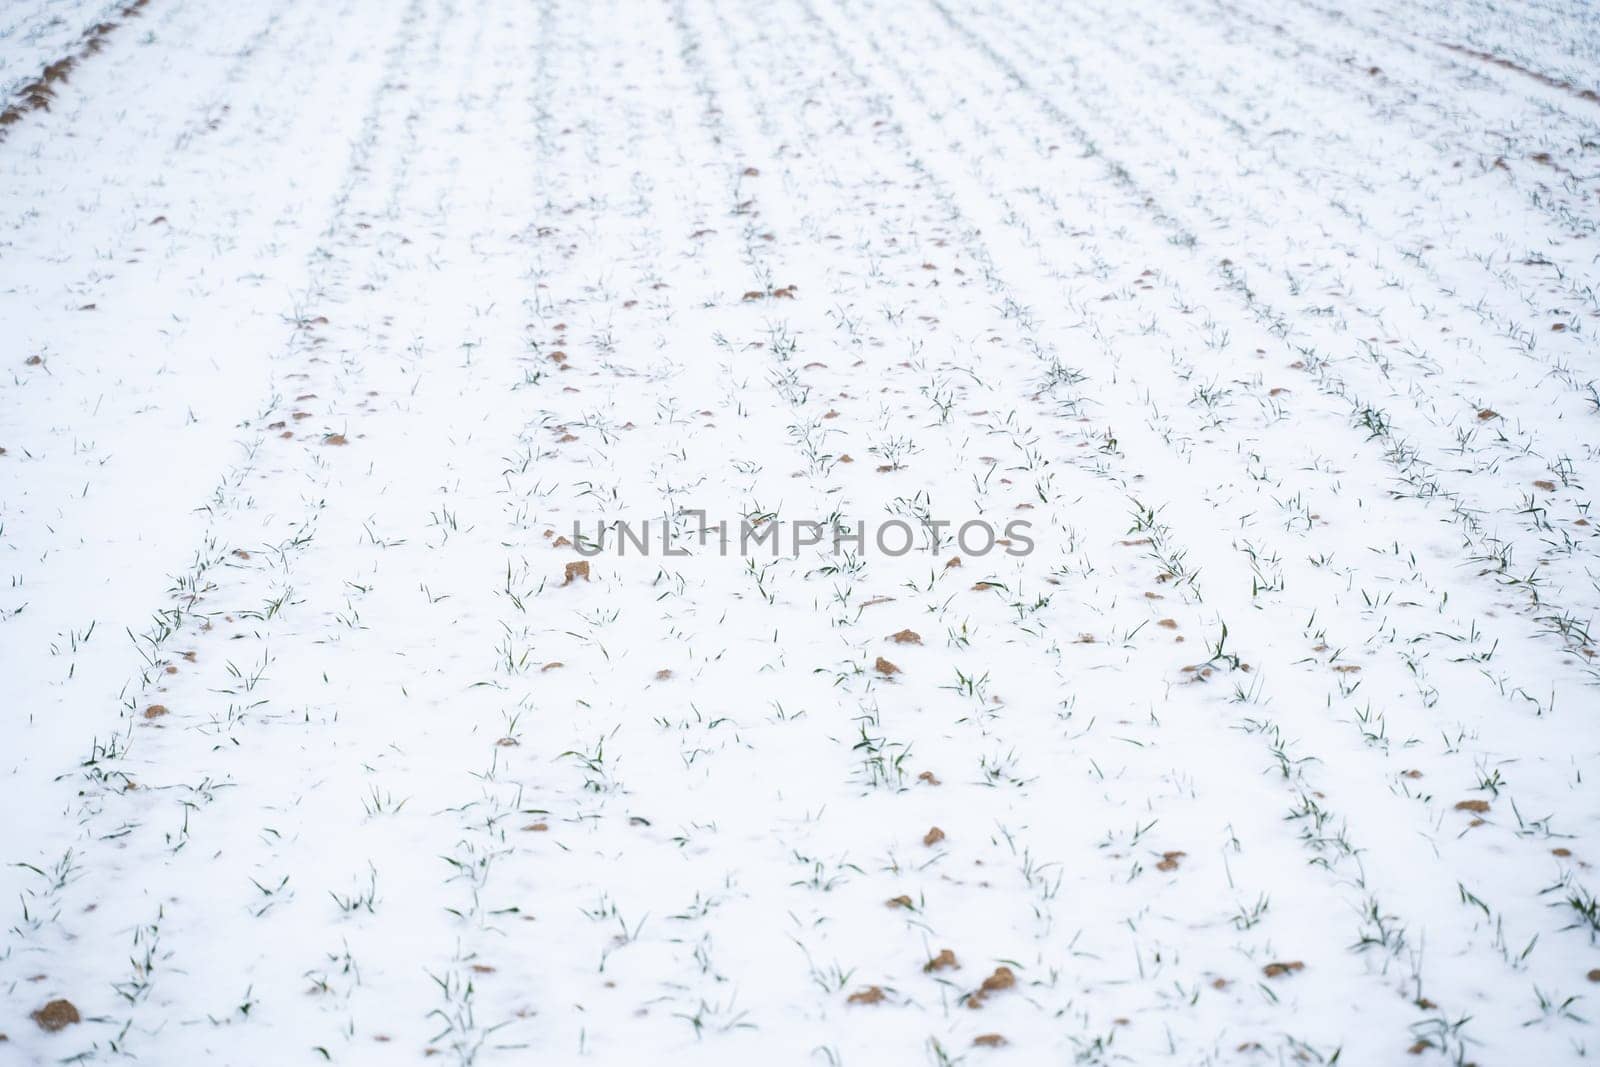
(334, 334)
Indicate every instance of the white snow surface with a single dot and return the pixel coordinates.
(324, 323)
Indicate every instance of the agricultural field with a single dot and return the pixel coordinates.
(821, 532)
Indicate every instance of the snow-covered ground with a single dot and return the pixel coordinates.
(328, 328)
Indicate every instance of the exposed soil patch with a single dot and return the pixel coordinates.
(1002, 979)
(38, 94)
(57, 1015)
(1538, 76)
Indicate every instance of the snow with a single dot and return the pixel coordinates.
(330, 327)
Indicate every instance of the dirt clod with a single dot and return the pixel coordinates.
(1002, 979)
(57, 1015)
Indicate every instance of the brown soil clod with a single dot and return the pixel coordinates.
(944, 961)
(1169, 861)
(933, 836)
(57, 1015)
(885, 668)
(989, 1041)
(155, 711)
(870, 995)
(575, 570)
(1278, 970)
(1477, 806)
(906, 637)
(1002, 979)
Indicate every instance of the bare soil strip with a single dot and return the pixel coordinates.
(1538, 76)
(38, 94)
